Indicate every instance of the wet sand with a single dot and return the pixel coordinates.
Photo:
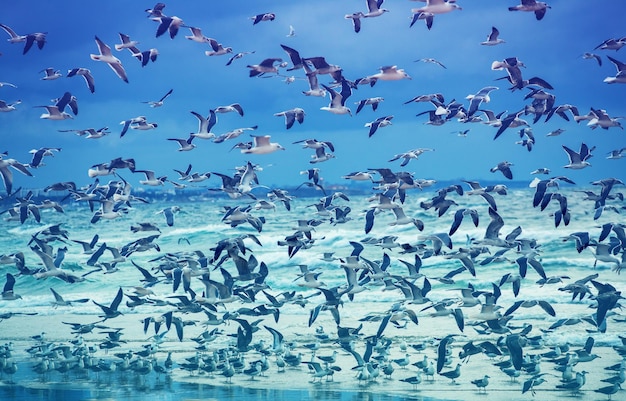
(293, 326)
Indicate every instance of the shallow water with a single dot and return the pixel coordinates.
(189, 392)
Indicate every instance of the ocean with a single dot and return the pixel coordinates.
(198, 228)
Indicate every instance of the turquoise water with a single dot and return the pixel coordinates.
(167, 392)
(199, 222)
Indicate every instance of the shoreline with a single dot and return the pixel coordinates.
(299, 378)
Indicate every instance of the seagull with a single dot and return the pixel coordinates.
(620, 77)
(6, 107)
(234, 134)
(437, 7)
(262, 145)
(358, 176)
(556, 132)
(159, 102)
(235, 107)
(51, 74)
(128, 123)
(458, 218)
(504, 167)
(30, 39)
(292, 32)
(238, 56)
(108, 210)
(599, 118)
(54, 113)
(262, 17)
(111, 310)
(616, 154)
(314, 87)
(356, 20)
(291, 116)
(107, 57)
(59, 301)
(578, 160)
(512, 66)
(453, 374)
(492, 38)
(538, 7)
(431, 61)
(218, 49)
(146, 56)
(151, 179)
(156, 11)
(315, 144)
(171, 24)
(169, 212)
(7, 292)
(295, 58)
(427, 98)
(611, 44)
(266, 66)
(126, 44)
(387, 73)
(321, 156)
(510, 121)
(378, 123)
(143, 57)
(338, 100)
(38, 155)
(374, 10)
(143, 125)
(373, 101)
(322, 67)
(427, 17)
(477, 99)
(407, 156)
(86, 74)
(481, 383)
(88, 247)
(184, 144)
(129, 44)
(197, 36)
(402, 218)
(591, 56)
(205, 125)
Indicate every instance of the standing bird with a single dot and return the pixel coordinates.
(453, 374)
(481, 383)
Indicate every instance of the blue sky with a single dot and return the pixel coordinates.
(551, 49)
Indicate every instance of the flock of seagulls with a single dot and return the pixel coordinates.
(228, 283)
